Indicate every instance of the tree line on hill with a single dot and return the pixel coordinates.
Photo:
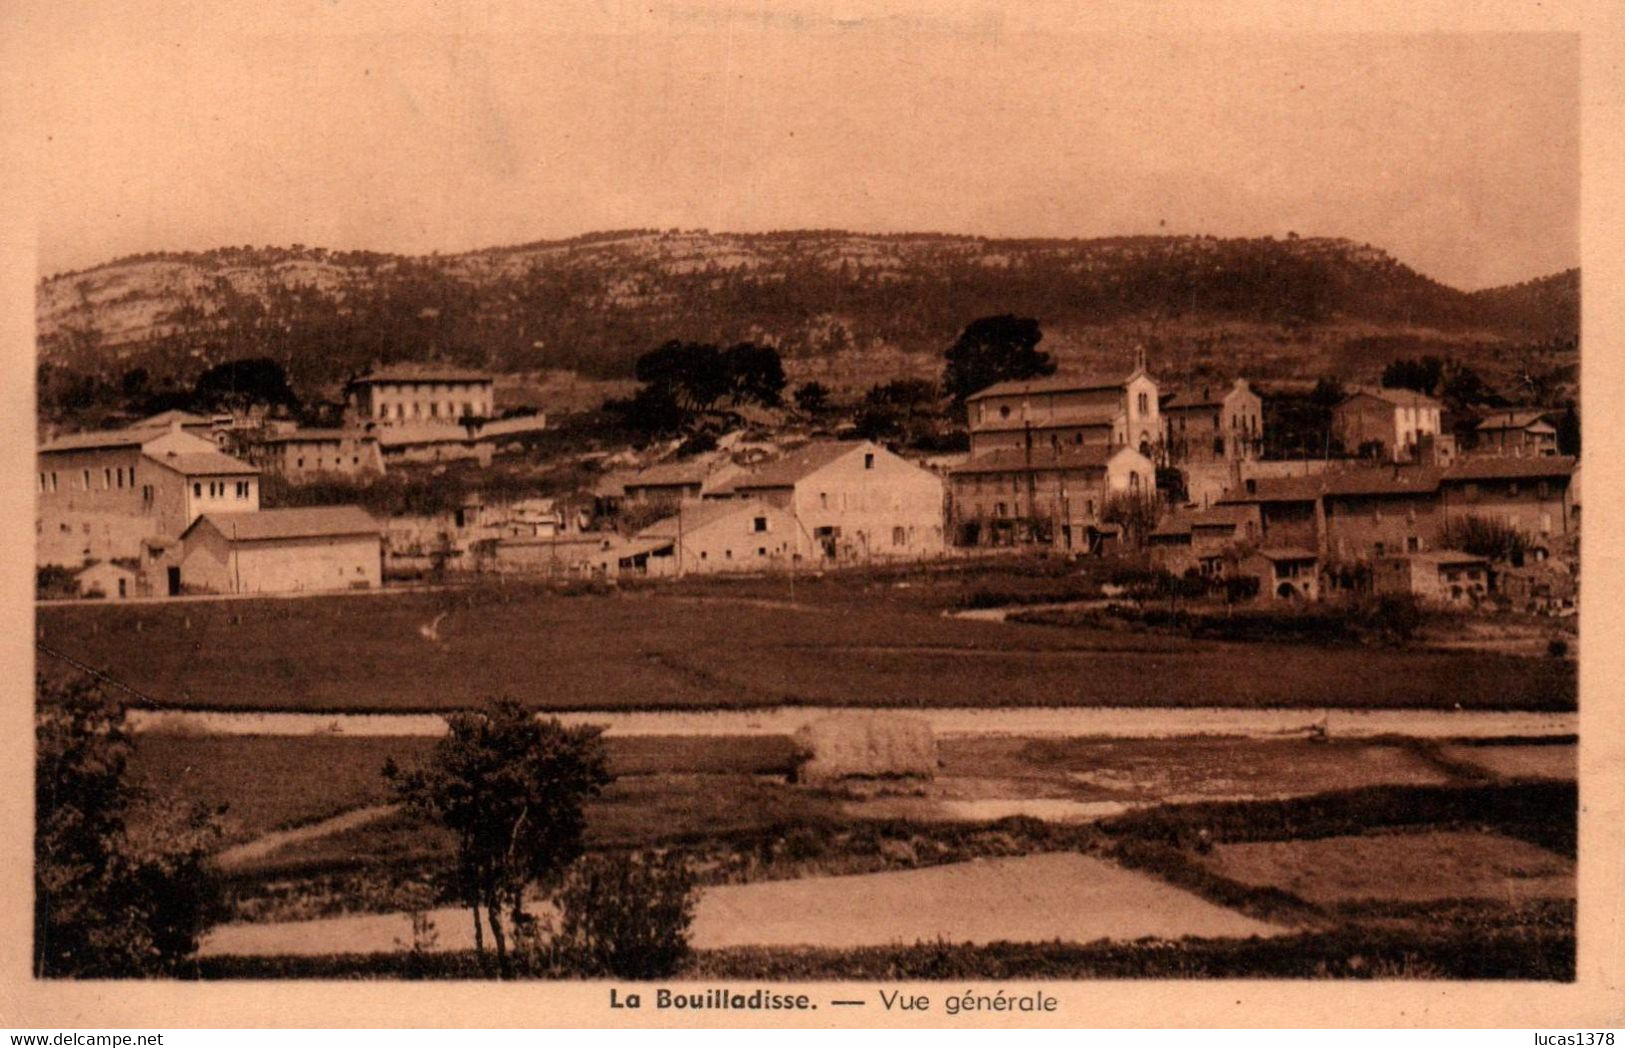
(591, 306)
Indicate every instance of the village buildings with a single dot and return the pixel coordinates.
(1109, 411)
(1447, 577)
(406, 393)
(719, 535)
(1054, 496)
(1393, 424)
(1213, 425)
(852, 501)
(304, 454)
(281, 551)
(101, 494)
(1518, 431)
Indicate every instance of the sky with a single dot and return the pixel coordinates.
(178, 126)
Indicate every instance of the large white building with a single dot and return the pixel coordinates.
(282, 551)
(1056, 413)
(852, 501)
(100, 495)
(405, 393)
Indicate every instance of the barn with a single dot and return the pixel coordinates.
(282, 551)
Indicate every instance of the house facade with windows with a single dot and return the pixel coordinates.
(719, 535)
(1396, 423)
(407, 393)
(1054, 413)
(1518, 431)
(1213, 425)
(1535, 495)
(1045, 496)
(852, 501)
(302, 454)
(102, 495)
(1442, 577)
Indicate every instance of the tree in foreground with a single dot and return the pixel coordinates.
(120, 888)
(994, 349)
(512, 789)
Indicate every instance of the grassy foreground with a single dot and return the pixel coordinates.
(1471, 937)
(672, 649)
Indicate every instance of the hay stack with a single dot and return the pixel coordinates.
(844, 748)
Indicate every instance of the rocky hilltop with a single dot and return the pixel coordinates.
(847, 308)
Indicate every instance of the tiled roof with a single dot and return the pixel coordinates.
(1402, 398)
(1515, 420)
(301, 436)
(1218, 516)
(203, 464)
(1512, 467)
(169, 418)
(1173, 524)
(669, 474)
(1102, 415)
(415, 372)
(1406, 480)
(1288, 553)
(1041, 459)
(1207, 397)
(98, 439)
(1446, 556)
(302, 522)
(1057, 384)
(789, 470)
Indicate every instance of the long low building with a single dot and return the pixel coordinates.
(280, 551)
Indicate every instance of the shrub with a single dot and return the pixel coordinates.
(54, 582)
(625, 915)
(1487, 537)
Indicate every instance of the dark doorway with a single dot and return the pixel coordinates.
(174, 582)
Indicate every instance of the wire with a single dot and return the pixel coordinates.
(99, 675)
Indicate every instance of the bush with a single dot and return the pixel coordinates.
(54, 582)
(625, 915)
(1394, 616)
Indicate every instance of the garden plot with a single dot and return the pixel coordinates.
(1399, 867)
(1035, 898)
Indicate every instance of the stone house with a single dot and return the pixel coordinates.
(1517, 431)
(101, 495)
(419, 393)
(302, 454)
(852, 501)
(1053, 496)
(1283, 573)
(1213, 425)
(1440, 577)
(1106, 410)
(719, 535)
(1531, 494)
(1395, 421)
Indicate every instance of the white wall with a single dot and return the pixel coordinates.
(873, 505)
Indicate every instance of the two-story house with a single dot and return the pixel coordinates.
(852, 500)
(102, 494)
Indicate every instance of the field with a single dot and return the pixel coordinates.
(1460, 931)
(684, 648)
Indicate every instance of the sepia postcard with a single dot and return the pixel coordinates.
(842, 514)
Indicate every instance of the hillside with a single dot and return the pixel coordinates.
(847, 308)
